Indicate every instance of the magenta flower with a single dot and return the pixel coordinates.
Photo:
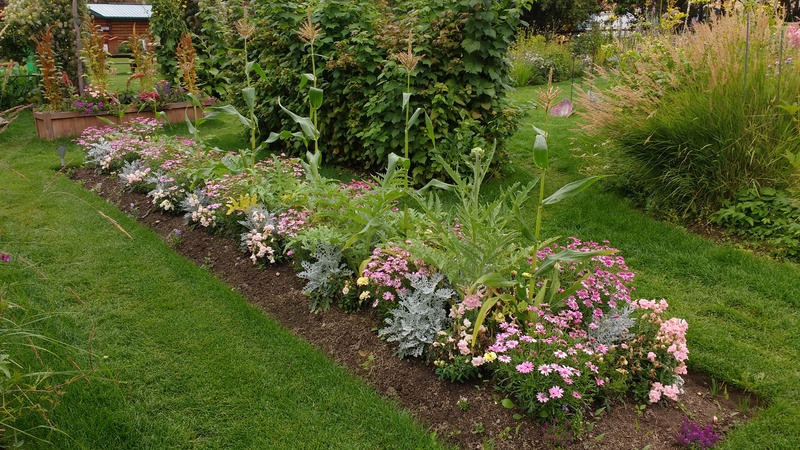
(526, 367)
(5, 257)
(556, 392)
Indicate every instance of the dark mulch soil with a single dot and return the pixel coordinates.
(349, 340)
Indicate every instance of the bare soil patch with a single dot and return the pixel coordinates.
(348, 340)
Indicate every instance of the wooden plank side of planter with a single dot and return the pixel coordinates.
(56, 125)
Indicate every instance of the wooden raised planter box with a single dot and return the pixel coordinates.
(54, 125)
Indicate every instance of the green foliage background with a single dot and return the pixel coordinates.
(27, 19)
(167, 24)
(460, 80)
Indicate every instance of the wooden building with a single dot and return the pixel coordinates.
(117, 21)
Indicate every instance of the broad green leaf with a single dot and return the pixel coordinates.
(437, 183)
(570, 256)
(413, 120)
(189, 124)
(195, 99)
(315, 97)
(429, 127)
(470, 45)
(273, 137)
(570, 190)
(108, 121)
(494, 279)
(406, 99)
(539, 131)
(390, 167)
(309, 130)
(540, 153)
(541, 293)
(305, 79)
(507, 403)
(255, 66)
(249, 95)
(488, 304)
(228, 110)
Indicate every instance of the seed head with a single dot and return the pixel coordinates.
(309, 31)
(244, 26)
(408, 60)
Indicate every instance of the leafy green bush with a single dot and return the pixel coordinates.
(769, 215)
(532, 58)
(27, 19)
(459, 81)
(16, 87)
(594, 44)
(167, 24)
(693, 119)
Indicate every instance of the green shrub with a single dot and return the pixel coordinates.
(459, 81)
(16, 87)
(768, 215)
(27, 19)
(532, 57)
(693, 119)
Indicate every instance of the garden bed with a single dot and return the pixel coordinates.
(349, 340)
(54, 125)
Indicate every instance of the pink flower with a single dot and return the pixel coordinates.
(556, 392)
(472, 302)
(504, 359)
(544, 369)
(542, 397)
(525, 367)
(576, 394)
(671, 392)
(651, 356)
(655, 396)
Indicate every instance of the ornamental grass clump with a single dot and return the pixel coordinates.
(694, 118)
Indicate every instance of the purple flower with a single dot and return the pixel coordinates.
(5, 257)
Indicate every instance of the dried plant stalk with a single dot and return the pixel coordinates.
(51, 90)
(187, 61)
(143, 60)
(94, 54)
(547, 97)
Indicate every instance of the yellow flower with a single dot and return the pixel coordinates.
(490, 356)
(364, 295)
(362, 281)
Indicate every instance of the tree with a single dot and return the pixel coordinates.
(551, 17)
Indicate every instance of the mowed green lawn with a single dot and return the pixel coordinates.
(185, 362)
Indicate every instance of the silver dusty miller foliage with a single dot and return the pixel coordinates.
(322, 275)
(420, 315)
(614, 326)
